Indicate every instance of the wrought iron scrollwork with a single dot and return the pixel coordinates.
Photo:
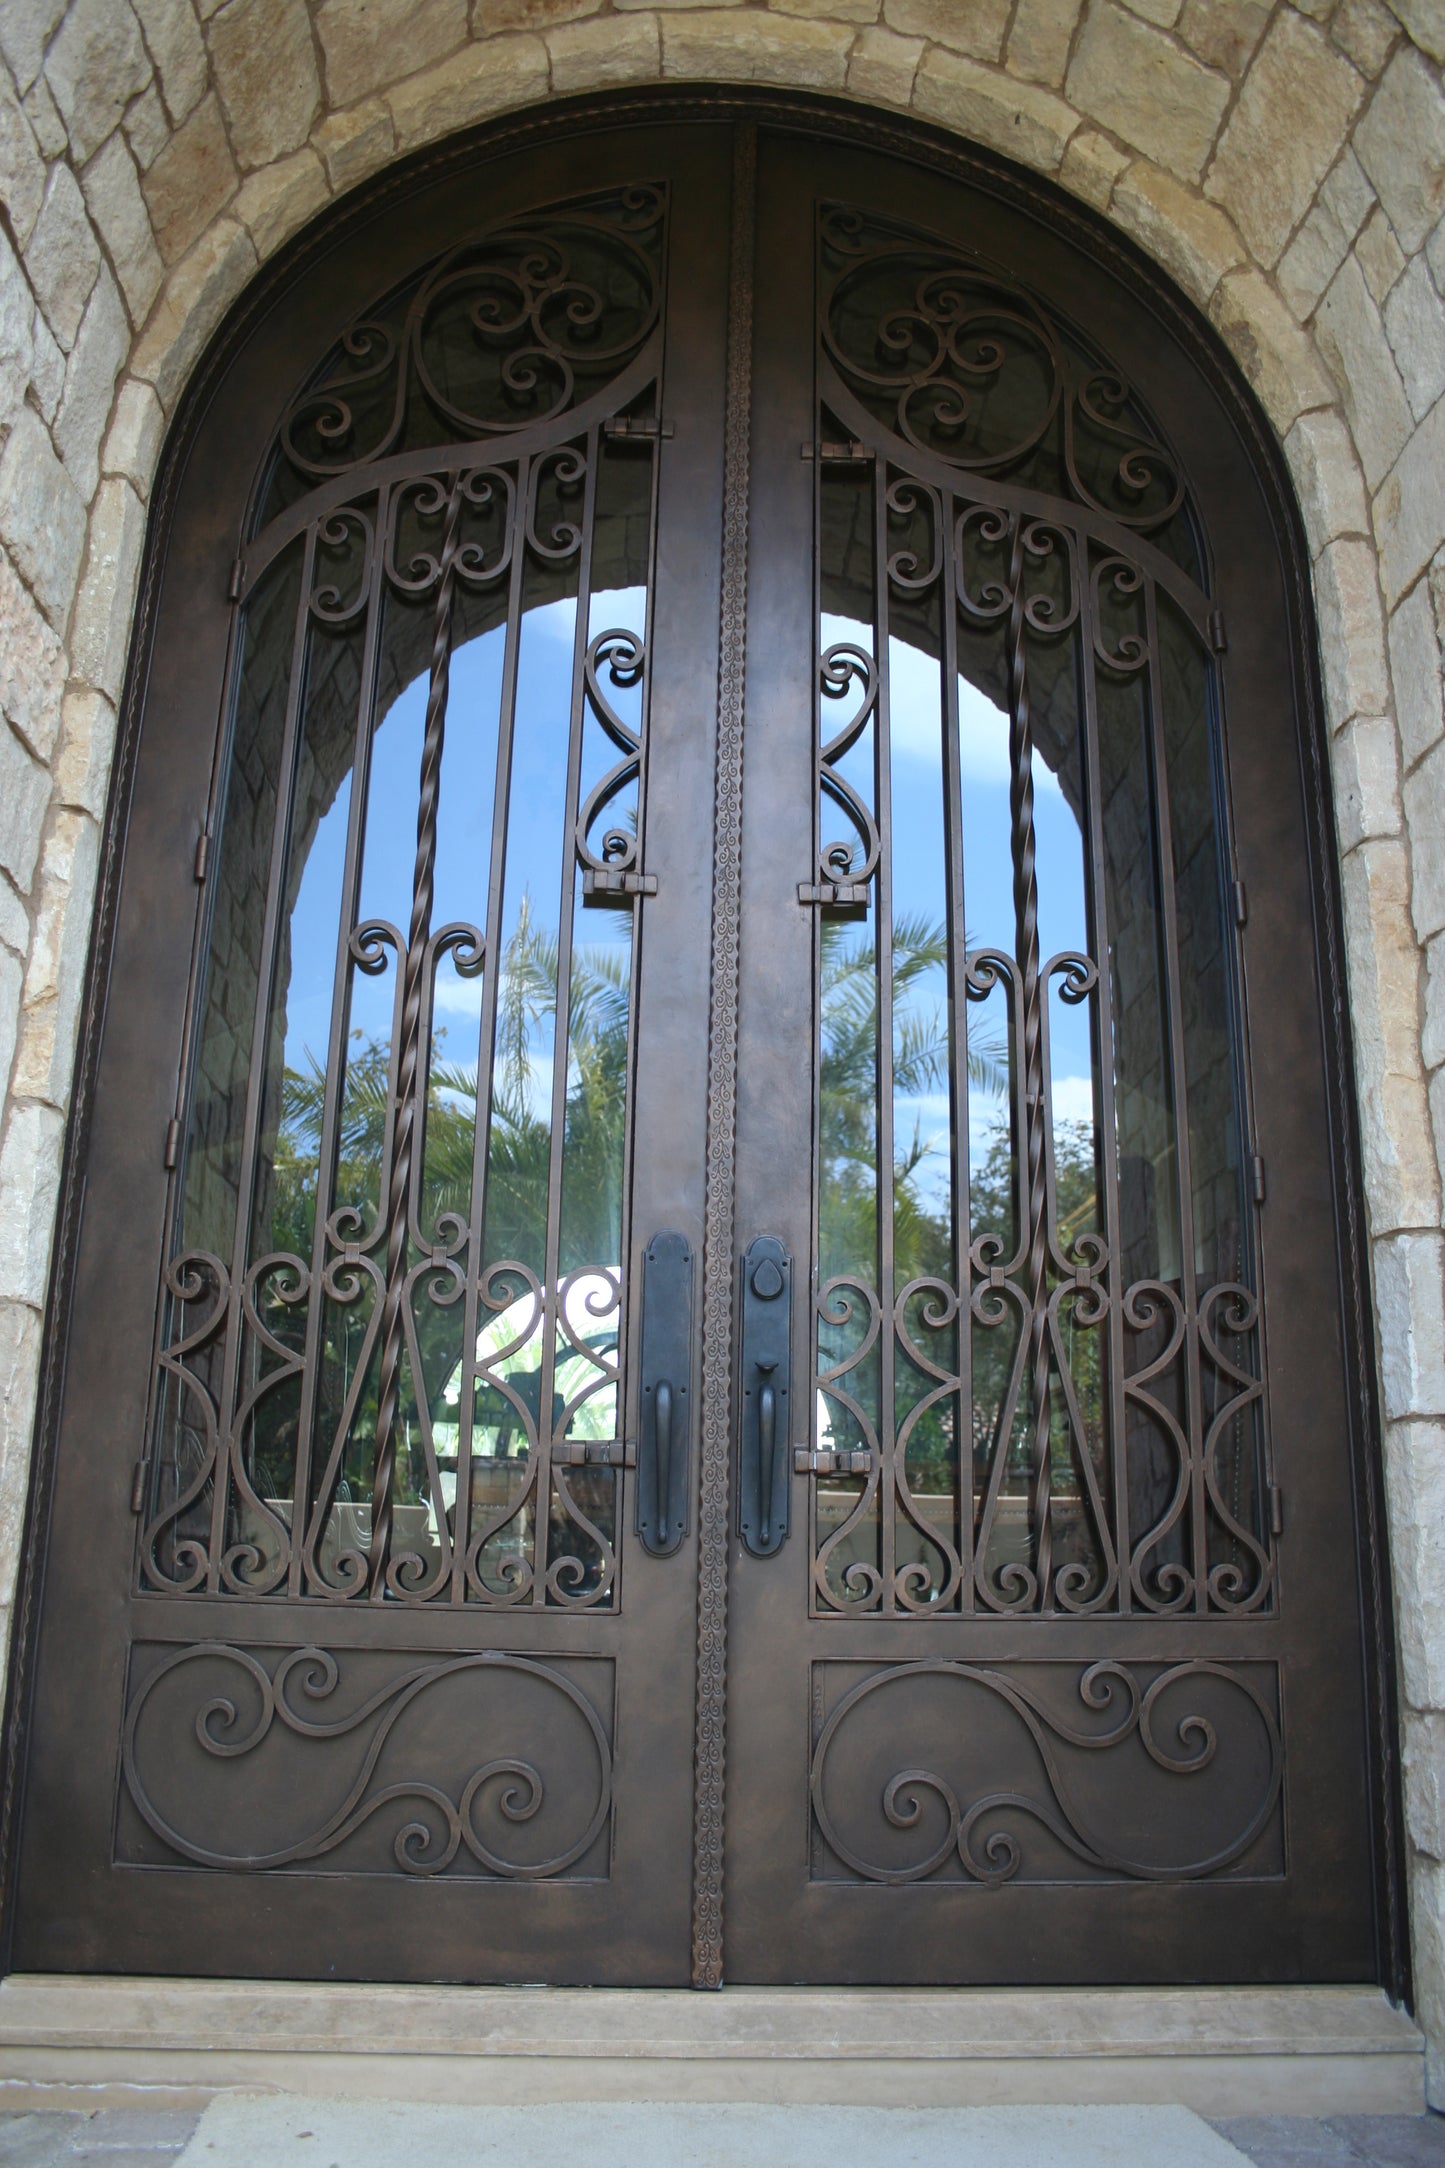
(239, 1708)
(1193, 1722)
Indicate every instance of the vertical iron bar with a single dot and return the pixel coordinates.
(228, 1444)
(954, 855)
(710, 1751)
(883, 1072)
(336, 1043)
(1026, 938)
(412, 1064)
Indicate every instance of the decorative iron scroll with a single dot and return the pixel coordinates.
(1151, 1773)
(253, 1418)
(1148, 1491)
(510, 329)
(964, 363)
(291, 1756)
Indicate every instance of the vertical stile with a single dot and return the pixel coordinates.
(227, 1443)
(1179, 1094)
(1099, 940)
(955, 855)
(883, 965)
(298, 1576)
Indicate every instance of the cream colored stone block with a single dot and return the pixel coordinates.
(95, 66)
(266, 77)
(1092, 164)
(100, 633)
(1351, 337)
(1163, 13)
(192, 303)
(20, 1345)
(1293, 112)
(134, 442)
(22, 169)
(883, 66)
(1410, 1300)
(1424, 1768)
(1402, 1180)
(55, 972)
(43, 114)
(1415, 669)
(32, 667)
(1432, 1034)
(118, 212)
(277, 201)
(1401, 145)
(1038, 42)
(974, 27)
(484, 79)
(10, 978)
(1224, 33)
(14, 921)
(83, 759)
(1352, 631)
(1379, 255)
(47, 367)
(1425, 21)
(366, 44)
(739, 45)
(29, 1185)
(1194, 242)
(1017, 118)
(1415, 1490)
(17, 333)
(1311, 260)
(147, 130)
(1409, 508)
(1365, 31)
(490, 16)
(63, 255)
(1415, 327)
(589, 55)
(1146, 89)
(96, 358)
(191, 181)
(1275, 355)
(838, 11)
(1425, 813)
(1366, 765)
(356, 143)
(25, 29)
(24, 796)
(42, 519)
(174, 38)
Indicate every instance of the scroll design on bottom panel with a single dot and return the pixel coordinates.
(1047, 1772)
(462, 1759)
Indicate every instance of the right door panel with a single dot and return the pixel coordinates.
(1057, 1674)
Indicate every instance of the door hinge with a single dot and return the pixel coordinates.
(844, 448)
(832, 894)
(594, 1453)
(237, 580)
(1276, 1510)
(637, 429)
(173, 1140)
(1256, 1168)
(1217, 638)
(203, 854)
(138, 1487)
(1241, 904)
(613, 885)
(830, 1460)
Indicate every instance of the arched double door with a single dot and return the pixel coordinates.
(707, 1331)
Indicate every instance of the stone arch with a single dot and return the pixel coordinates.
(1285, 165)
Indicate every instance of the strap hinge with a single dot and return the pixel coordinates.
(138, 1487)
(828, 1460)
(237, 580)
(1217, 637)
(1241, 904)
(845, 448)
(173, 1141)
(203, 854)
(1276, 1510)
(1256, 1168)
(825, 893)
(594, 1453)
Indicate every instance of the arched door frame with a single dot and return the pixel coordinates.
(570, 122)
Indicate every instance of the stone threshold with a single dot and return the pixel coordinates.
(99, 2041)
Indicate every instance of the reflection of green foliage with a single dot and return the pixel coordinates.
(519, 1152)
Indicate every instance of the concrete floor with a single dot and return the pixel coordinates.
(280, 2131)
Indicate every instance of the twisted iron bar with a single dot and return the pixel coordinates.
(1035, 1114)
(399, 1188)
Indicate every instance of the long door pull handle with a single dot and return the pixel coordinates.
(765, 1473)
(664, 1423)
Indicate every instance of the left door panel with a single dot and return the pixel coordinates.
(347, 1657)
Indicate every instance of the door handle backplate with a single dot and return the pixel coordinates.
(765, 1460)
(664, 1472)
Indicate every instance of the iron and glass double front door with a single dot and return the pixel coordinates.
(705, 1337)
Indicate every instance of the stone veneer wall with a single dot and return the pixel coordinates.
(1284, 163)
